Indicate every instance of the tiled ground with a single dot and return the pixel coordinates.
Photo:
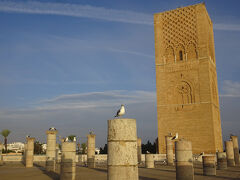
(19, 172)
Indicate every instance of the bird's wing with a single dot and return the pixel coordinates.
(117, 113)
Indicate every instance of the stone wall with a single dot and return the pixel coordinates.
(100, 158)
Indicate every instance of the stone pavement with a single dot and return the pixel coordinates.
(19, 172)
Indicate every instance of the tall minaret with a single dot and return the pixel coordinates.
(186, 78)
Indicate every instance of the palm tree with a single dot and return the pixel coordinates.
(5, 134)
(84, 147)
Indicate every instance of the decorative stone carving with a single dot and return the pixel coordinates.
(184, 93)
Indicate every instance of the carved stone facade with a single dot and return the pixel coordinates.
(187, 93)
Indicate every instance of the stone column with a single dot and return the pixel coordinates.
(122, 149)
(51, 150)
(68, 161)
(209, 166)
(230, 153)
(1, 158)
(57, 153)
(30, 151)
(91, 150)
(235, 149)
(139, 149)
(149, 162)
(169, 150)
(184, 160)
(24, 153)
(221, 160)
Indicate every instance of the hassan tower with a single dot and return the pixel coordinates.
(186, 78)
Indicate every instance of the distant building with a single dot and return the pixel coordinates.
(97, 150)
(16, 147)
(44, 147)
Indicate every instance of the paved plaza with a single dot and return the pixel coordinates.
(19, 172)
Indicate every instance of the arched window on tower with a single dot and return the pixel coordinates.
(184, 93)
(181, 53)
(169, 55)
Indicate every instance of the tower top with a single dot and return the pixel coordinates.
(185, 30)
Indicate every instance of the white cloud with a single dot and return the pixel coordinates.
(231, 88)
(87, 11)
(77, 113)
(131, 52)
(86, 101)
(76, 10)
(96, 99)
(227, 27)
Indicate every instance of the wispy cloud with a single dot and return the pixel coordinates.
(130, 52)
(96, 99)
(86, 101)
(77, 113)
(230, 89)
(87, 11)
(76, 10)
(227, 27)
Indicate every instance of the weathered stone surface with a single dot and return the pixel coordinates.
(221, 160)
(29, 152)
(1, 159)
(91, 150)
(122, 149)
(51, 150)
(139, 149)
(149, 162)
(209, 165)
(186, 78)
(68, 161)
(169, 149)
(230, 153)
(235, 149)
(184, 160)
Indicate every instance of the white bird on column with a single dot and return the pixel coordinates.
(121, 111)
(175, 137)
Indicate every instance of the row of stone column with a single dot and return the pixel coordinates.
(124, 154)
(123, 146)
(68, 157)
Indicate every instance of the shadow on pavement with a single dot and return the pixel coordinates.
(53, 175)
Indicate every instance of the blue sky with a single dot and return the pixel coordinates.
(71, 63)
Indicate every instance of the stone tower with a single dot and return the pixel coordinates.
(186, 78)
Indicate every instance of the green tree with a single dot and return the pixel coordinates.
(38, 148)
(5, 134)
(104, 150)
(84, 147)
(71, 137)
(149, 147)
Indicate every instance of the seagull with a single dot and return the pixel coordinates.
(175, 137)
(66, 140)
(27, 136)
(74, 139)
(201, 154)
(121, 111)
(52, 128)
